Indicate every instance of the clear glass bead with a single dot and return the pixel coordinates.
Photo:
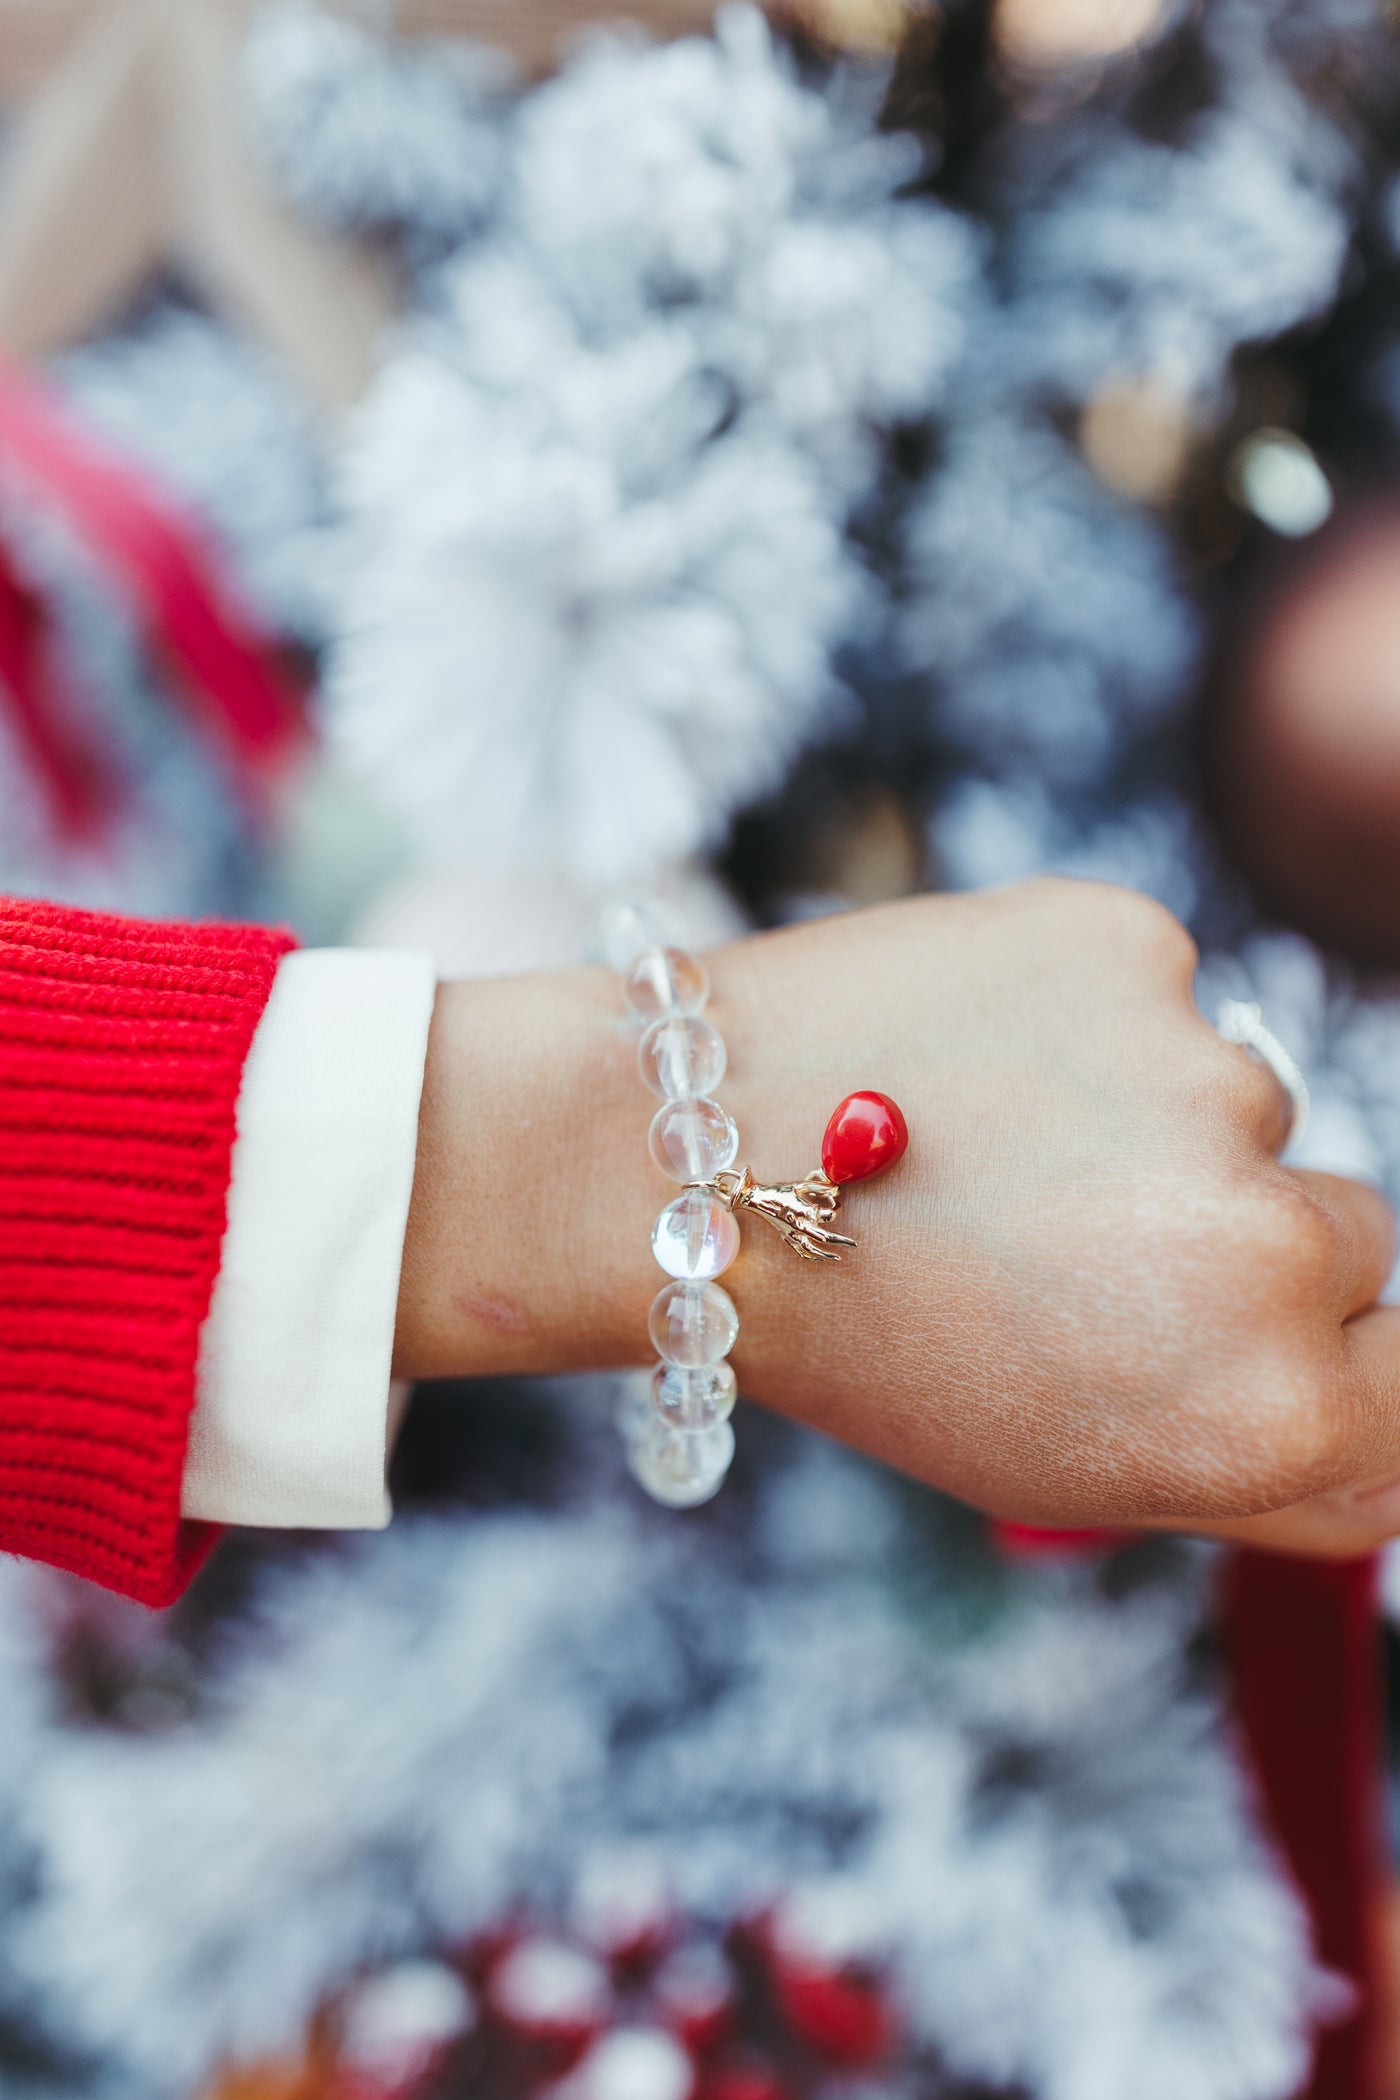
(695, 1237)
(692, 1324)
(666, 981)
(681, 1469)
(681, 1056)
(693, 1140)
(694, 1399)
(624, 926)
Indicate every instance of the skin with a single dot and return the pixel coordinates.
(1089, 1294)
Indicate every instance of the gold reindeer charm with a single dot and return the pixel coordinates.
(801, 1211)
(866, 1134)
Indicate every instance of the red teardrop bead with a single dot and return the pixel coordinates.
(867, 1134)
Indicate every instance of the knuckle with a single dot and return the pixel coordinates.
(1162, 938)
(1054, 891)
(1242, 1105)
(1297, 1432)
(1266, 1412)
(1245, 1088)
(1129, 919)
(1305, 1234)
(1148, 929)
(1276, 1249)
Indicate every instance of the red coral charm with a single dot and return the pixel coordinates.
(866, 1134)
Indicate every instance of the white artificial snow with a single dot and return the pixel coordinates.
(600, 499)
(423, 1728)
(1043, 612)
(362, 133)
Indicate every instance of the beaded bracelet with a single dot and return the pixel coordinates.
(676, 1431)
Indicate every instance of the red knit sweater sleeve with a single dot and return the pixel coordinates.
(122, 1044)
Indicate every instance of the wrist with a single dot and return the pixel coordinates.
(527, 1249)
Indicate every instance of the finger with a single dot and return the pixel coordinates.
(1371, 1356)
(1241, 1022)
(1364, 1513)
(1365, 1227)
(1354, 1519)
(1339, 1526)
(1264, 1103)
(1330, 1527)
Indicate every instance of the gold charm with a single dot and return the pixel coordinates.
(801, 1211)
(866, 1134)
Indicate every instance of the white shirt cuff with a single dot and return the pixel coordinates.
(290, 1426)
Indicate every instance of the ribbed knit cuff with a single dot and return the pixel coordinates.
(122, 1045)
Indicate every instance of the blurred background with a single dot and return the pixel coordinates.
(458, 461)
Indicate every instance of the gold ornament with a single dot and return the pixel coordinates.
(1139, 436)
(801, 1211)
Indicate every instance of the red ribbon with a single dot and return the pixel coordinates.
(73, 776)
(218, 664)
(1033, 1542)
(1305, 1664)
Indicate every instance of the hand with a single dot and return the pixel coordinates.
(1088, 1295)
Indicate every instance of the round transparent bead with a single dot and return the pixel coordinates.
(695, 1237)
(682, 1469)
(666, 981)
(624, 926)
(681, 1056)
(694, 1399)
(693, 1140)
(692, 1324)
